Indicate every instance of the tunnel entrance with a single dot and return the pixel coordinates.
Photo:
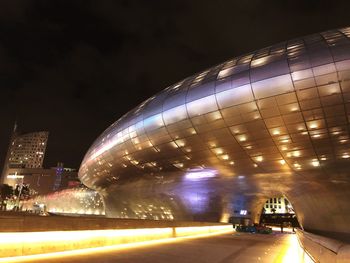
(278, 211)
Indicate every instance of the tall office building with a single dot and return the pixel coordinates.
(25, 150)
(28, 150)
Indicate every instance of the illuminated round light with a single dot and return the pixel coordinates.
(296, 165)
(219, 151)
(316, 135)
(296, 153)
(276, 132)
(284, 148)
(232, 162)
(249, 147)
(225, 157)
(342, 141)
(294, 109)
(283, 162)
(323, 159)
(346, 156)
(313, 126)
(255, 165)
(242, 139)
(259, 159)
(285, 141)
(315, 163)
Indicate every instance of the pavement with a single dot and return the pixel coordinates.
(224, 248)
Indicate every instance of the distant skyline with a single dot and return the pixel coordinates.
(74, 67)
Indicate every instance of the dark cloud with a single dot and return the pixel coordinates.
(74, 67)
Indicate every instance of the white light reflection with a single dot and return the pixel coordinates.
(197, 174)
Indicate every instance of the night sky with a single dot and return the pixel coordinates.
(74, 67)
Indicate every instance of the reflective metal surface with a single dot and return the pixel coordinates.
(271, 122)
(79, 200)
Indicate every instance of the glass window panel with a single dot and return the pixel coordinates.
(153, 122)
(202, 106)
(310, 104)
(307, 94)
(324, 69)
(271, 112)
(201, 91)
(302, 74)
(330, 89)
(234, 96)
(271, 70)
(326, 79)
(299, 63)
(240, 79)
(319, 56)
(305, 83)
(225, 72)
(274, 122)
(175, 114)
(222, 85)
(273, 86)
(174, 100)
(267, 103)
(332, 100)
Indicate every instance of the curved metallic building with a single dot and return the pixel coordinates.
(217, 144)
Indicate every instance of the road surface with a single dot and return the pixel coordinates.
(225, 248)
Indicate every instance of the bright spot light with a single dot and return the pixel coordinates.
(315, 163)
(197, 174)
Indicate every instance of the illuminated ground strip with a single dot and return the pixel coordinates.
(122, 239)
(293, 253)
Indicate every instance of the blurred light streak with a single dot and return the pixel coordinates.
(170, 235)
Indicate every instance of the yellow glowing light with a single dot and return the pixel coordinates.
(180, 143)
(218, 151)
(346, 156)
(296, 153)
(255, 165)
(283, 162)
(323, 159)
(292, 252)
(249, 147)
(212, 145)
(296, 165)
(225, 157)
(115, 240)
(174, 145)
(259, 158)
(313, 126)
(242, 139)
(316, 135)
(284, 148)
(315, 163)
(232, 162)
(276, 132)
